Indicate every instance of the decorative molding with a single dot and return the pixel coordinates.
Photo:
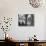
(35, 3)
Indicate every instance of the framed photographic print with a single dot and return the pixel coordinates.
(26, 20)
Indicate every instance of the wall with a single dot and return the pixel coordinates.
(11, 8)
